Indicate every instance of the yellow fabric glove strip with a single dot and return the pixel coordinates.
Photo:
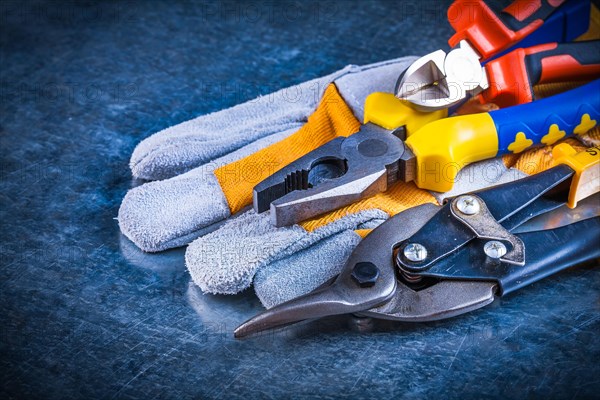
(331, 118)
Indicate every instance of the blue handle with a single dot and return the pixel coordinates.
(569, 21)
(546, 121)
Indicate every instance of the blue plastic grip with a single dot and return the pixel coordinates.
(568, 22)
(545, 121)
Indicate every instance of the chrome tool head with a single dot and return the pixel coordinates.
(440, 80)
(340, 172)
(367, 280)
(444, 299)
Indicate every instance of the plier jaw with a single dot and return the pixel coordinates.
(441, 80)
(341, 172)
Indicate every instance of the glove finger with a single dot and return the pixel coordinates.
(182, 147)
(478, 176)
(226, 260)
(164, 214)
(304, 271)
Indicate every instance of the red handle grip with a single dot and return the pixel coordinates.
(513, 75)
(490, 31)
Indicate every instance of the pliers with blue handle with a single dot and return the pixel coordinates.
(370, 160)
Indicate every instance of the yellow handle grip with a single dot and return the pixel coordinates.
(389, 112)
(586, 165)
(444, 147)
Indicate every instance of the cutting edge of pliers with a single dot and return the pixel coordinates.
(441, 80)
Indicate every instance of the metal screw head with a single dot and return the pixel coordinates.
(365, 274)
(468, 205)
(415, 252)
(494, 249)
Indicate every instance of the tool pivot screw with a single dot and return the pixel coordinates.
(467, 205)
(365, 274)
(494, 249)
(415, 252)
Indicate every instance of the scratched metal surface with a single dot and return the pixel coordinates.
(84, 314)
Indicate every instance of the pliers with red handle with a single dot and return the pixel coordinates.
(441, 80)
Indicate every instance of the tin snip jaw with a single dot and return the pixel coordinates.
(435, 262)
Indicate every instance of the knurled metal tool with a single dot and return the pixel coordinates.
(348, 169)
(434, 262)
(443, 79)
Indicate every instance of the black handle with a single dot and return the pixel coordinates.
(563, 62)
(550, 252)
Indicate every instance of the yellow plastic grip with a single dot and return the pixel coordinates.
(389, 112)
(586, 165)
(442, 148)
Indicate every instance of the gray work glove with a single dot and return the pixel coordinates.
(186, 200)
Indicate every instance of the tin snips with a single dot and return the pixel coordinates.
(434, 262)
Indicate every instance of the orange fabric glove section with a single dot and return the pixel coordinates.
(331, 118)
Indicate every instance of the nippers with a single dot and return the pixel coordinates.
(430, 262)
(445, 79)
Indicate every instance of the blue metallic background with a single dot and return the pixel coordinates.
(84, 314)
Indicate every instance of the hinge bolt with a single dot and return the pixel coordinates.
(494, 249)
(415, 252)
(468, 205)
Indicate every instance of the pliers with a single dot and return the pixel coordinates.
(434, 262)
(441, 80)
(345, 170)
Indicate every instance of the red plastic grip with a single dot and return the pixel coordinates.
(509, 82)
(487, 30)
(513, 75)
(556, 68)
